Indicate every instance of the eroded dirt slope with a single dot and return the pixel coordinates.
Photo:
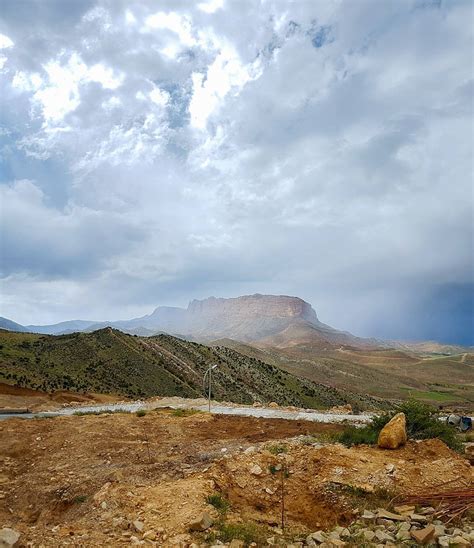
(84, 480)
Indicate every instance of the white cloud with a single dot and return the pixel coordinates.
(311, 148)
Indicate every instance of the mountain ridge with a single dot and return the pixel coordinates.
(279, 321)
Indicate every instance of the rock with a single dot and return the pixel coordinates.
(403, 534)
(138, 526)
(444, 541)
(368, 516)
(439, 531)
(202, 523)
(423, 536)
(459, 541)
(149, 535)
(256, 404)
(341, 409)
(418, 518)
(385, 514)
(317, 536)
(236, 543)
(393, 434)
(273, 404)
(369, 535)
(8, 537)
(256, 470)
(404, 509)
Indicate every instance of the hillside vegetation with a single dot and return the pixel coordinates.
(109, 361)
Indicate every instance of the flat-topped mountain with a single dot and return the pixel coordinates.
(273, 319)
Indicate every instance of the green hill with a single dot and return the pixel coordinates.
(109, 361)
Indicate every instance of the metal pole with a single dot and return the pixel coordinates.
(210, 377)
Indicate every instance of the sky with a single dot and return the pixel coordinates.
(154, 152)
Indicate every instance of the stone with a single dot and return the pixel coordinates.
(368, 516)
(404, 509)
(8, 537)
(423, 536)
(236, 543)
(202, 523)
(317, 536)
(256, 404)
(439, 531)
(149, 535)
(419, 518)
(393, 434)
(256, 470)
(138, 526)
(444, 541)
(459, 541)
(385, 514)
(403, 534)
(369, 535)
(273, 404)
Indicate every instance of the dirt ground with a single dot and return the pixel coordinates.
(16, 397)
(84, 480)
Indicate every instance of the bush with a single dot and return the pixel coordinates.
(219, 502)
(422, 422)
(141, 413)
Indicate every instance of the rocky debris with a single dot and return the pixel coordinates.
(384, 528)
(341, 409)
(203, 522)
(8, 537)
(393, 434)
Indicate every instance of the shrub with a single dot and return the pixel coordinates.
(79, 499)
(422, 422)
(277, 449)
(219, 502)
(141, 413)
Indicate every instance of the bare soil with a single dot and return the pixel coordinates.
(84, 480)
(35, 400)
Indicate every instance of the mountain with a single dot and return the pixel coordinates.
(110, 361)
(275, 320)
(10, 325)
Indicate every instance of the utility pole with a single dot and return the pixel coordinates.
(208, 372)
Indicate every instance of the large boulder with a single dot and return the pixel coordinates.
(394, 433)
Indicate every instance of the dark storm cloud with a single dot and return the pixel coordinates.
(153, 153)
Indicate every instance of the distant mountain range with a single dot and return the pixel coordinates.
(276, 321)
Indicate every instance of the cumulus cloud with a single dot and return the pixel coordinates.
(320, 149)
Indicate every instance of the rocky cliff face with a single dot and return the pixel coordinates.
(254, 306)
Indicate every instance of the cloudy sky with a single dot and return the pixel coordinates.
(156, 151)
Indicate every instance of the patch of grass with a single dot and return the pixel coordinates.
(360, 498)
(219, 502)
(184, 412)
(141, 413)
(277, 449)
(79, 499)
(422, 422)
(100, 412)
(248, 532)
(432, 395)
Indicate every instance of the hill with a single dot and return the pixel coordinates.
(109, 361)
(380, 372)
